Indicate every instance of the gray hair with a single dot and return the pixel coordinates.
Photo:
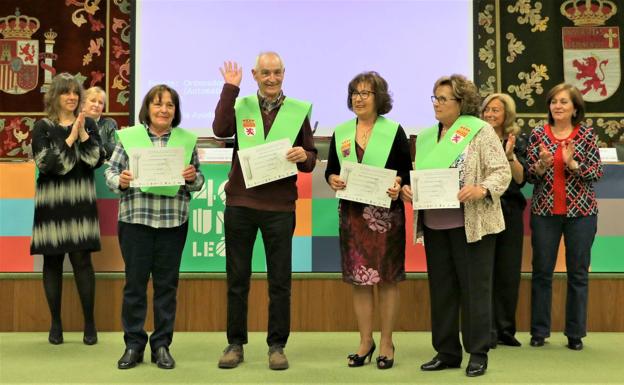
(268, 53)
(95, 90)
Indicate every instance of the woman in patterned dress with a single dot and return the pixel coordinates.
(66, 149)
(372, 238)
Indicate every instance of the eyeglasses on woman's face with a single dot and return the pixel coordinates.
(441, 99)
(361, 94)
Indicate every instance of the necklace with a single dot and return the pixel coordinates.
(365, 136)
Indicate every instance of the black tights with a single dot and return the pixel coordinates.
(53, 286)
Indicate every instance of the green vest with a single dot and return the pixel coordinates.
(250, 128)
(379, 144)
(433, 154)
(137, 137)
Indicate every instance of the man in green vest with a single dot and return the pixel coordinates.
(263, 117)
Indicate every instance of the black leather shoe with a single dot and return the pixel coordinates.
(130, 358)
(493, 344)
(508, 339)
(162, 358)
(475, 369)
(437, 364)
(537, 341)
(575, 343)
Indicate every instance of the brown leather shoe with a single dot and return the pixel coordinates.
(277, 358)
(232, 356)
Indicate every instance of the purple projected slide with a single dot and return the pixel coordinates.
(323, 44)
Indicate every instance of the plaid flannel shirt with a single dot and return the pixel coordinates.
(147, 209)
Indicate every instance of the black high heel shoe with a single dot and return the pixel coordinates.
(55, 336)
(90, 334)
(55, 339)
(356, 360)
(383, 362)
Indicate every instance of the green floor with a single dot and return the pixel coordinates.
(315, 358)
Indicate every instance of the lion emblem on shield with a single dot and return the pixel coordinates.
(588, 68)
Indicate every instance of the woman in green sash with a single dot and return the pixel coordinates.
(152, 226)
(460, 242)
(372, 238)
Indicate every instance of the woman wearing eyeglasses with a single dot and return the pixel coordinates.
(372, 238)
(459, 242)
(500, 111)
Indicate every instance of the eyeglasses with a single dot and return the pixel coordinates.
(362, 94)
(441, 99)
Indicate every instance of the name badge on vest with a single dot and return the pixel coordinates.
(345, 148)
(461, 134)
(250, 127)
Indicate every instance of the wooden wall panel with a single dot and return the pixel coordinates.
(317, 305)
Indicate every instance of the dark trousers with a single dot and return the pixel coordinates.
(148, 250)
(241, 228)
(506, 277)
(578, 235)
(460, 278)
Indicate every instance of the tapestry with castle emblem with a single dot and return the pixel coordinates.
(39, 38)
(525, 47)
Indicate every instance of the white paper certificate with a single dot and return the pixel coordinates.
(366, 184)
(435, 189)
(156, 166)
(266, 163)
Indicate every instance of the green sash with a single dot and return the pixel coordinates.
(379, 144)
(433, 154)
(250, 128)
(137, 137)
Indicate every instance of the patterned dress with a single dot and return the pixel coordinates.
(372, 238)
(66, 218)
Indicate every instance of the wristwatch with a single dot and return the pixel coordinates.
(486, 192)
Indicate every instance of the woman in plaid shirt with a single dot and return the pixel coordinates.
(563, 164)
(153, 223)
